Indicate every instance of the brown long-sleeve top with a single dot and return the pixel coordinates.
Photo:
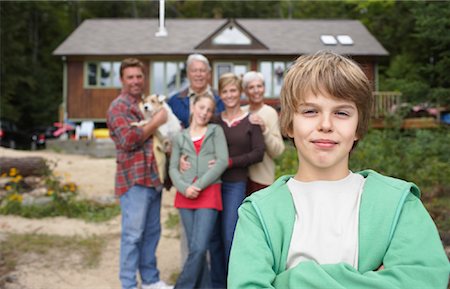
(245, 147)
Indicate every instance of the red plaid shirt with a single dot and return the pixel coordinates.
(136, 163)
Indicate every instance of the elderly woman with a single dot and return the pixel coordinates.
(262, 174)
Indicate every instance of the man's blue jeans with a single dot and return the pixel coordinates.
(141, 230)
(233, 193)
(198, 224)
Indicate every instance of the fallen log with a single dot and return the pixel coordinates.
(26, 166)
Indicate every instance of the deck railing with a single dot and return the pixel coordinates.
(385, 102)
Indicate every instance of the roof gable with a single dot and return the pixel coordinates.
(231, 35)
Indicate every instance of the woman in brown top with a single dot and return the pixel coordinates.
(245, 147)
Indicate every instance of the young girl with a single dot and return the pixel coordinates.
(198, 188)
(327, 227)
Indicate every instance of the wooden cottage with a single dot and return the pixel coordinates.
(93, 52)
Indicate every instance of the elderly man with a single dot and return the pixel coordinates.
(199, 76)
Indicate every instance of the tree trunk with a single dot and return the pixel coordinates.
(27, 166)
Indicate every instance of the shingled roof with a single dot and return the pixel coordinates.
(278, 36)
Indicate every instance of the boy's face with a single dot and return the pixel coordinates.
(324, 130)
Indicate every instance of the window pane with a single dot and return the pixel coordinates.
(92, 74)
(116, 74)
(223, 68)
(105, 74)
(171, 77)
(266, 70)
(158, 77)
(240, 69)
(278, 78)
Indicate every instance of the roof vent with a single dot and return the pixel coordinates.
(328, 39)
(345, 39)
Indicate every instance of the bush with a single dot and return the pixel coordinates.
(420, 156)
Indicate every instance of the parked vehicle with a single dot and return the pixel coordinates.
(40, 135)
(12, 137)
(37, 140)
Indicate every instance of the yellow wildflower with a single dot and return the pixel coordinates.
(17, 178)
(15, 198)
(12, 172)
(50, 192)
(8, 188)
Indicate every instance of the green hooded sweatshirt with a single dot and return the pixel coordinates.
(395, 231)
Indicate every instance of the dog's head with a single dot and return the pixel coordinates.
(151, 104)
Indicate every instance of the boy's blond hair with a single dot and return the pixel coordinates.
(329, 74)
(229, 78)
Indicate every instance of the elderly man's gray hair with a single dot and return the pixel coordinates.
(198, 57)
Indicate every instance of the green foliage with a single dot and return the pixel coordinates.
(413, 91)
(173, 220)
(420, 156)
(86, 210)
(287, 163)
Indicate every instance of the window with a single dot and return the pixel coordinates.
(273, 72)
(238, 68)
(103, 74)
(328, 39)
(167, 77)
(345, 39)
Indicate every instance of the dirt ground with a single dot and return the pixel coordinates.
(95, 178)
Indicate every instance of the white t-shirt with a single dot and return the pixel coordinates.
(326, 221)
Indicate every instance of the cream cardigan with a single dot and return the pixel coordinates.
(264, 172)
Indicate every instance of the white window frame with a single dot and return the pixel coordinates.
(178, 85)
(231, 64)
(112, 77)
(270, 83)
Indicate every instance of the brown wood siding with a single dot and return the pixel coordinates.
(93, 103)
(85, 103)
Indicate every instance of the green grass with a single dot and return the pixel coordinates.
(173, 220)
(84, 209)
(16, 246)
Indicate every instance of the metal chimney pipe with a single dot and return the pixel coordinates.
(162, 32)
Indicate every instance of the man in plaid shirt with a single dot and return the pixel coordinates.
(137, 180)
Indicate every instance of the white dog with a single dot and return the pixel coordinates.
(162, 143)
(149, 106)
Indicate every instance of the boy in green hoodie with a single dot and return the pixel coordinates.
(327, 227)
